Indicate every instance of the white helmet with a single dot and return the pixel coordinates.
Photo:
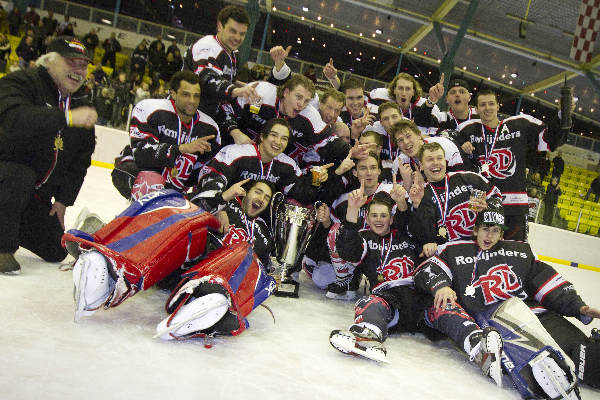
(93, 283)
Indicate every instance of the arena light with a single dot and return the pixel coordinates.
(305, 9)
(378, 31)
(105, 21)
(514, 75)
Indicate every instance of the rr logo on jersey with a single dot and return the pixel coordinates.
(501, 164)
(235, 235)
(398, 268)
(500, 283)
(460, 221)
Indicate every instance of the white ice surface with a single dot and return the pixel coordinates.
(111, 354)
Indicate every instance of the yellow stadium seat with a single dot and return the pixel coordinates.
(594, 230)
(571, 225)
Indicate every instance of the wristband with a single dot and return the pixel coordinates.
(429, 102)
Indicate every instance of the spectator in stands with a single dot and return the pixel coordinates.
(104, 106)
(173, 47)
(553, 192)
(14, 21)
(111, 47)
(160, 92)
(123, 97)
(66, 27)
(156, 57)
(535, 181)
(558, 166)
(533, 198)
(31, 18)
(91, 41)
(139, 59)
(3, 20)
(142, 92)
(26, 52)
(50, 23)
(172, 65)
(594, 188)
(4, 52)
(99, 76)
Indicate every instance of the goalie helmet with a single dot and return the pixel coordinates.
(93, 283)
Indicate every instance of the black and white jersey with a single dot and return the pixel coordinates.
(482, 278)
(447, 121)
(444, 213)
(347, 118)
(504, 151)
(245, 229)
(387, 261)
(216, 68)
(156, 131)
(237, 162)
(309, 133)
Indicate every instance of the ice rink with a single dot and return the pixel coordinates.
(111, 355)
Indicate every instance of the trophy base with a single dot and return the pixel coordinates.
(287, 288)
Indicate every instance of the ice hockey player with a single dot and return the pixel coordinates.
(498, 285)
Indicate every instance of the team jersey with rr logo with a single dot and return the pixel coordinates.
(501, 153)
(481, 278)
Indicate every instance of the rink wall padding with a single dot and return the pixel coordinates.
(551, 244)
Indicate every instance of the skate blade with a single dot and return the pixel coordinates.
(349, 345)
(212, 306)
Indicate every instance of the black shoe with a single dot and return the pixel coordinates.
(8, 264)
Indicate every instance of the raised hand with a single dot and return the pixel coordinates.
(357, 198)
(359, 124)
(329, 70)
(361, 151)
(278, 55)
(398, 194)
(323, 175)
(345, 165)
(467, 147)
(240, 137)
(248, 92)
(324, 215)
(83, 117)
(235, 190)
(416, 194)
(200, 145)
(406, 173)
(590, 312)
(437, 91)
(224, 220)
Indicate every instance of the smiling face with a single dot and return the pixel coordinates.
(355, 102)
(68, 73)
(330, 110)
(433, 164)
(232, 34)
(368, 169)
(487, 108)
(187, 99)
(274, 142)
(458, 99)
(404, 91)
(257, 199)
(408, 142)
(488, 235)
(294, 101)
(379, 219)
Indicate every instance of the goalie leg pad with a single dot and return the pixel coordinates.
(587, 362)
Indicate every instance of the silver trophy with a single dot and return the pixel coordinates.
(293, 226)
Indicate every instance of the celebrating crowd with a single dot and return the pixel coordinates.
(430, 206)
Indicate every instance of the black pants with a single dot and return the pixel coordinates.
(25, 215)
(548, 213)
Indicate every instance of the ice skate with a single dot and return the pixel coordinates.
(359, 342)
(85, 222)
(341, 290)
(93, 283)
(8, 264)
(487, 353)
(193, 317)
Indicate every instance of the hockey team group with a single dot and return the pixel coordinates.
(429, 208)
